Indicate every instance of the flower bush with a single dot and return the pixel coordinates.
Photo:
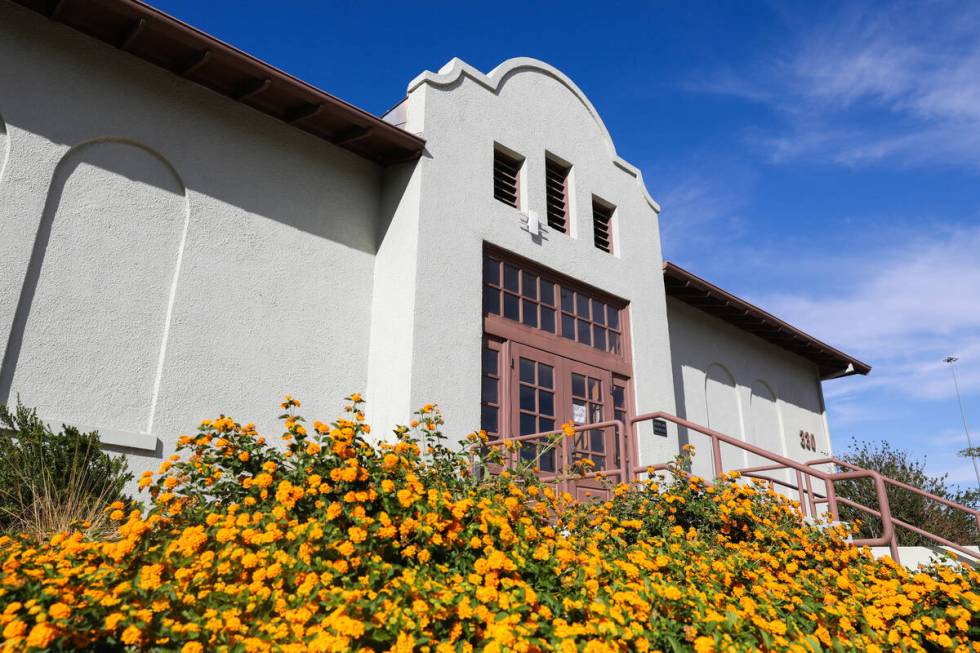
(330, 543)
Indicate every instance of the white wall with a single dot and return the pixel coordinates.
(167, 254)
(531, 108)
(737, 383)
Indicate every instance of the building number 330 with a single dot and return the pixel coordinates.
(808, 440)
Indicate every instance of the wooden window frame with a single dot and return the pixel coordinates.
(508, 329)
(504, 158)
(500, 377)
(603, 213)
(557, 196)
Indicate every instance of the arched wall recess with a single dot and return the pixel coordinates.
(766, 423)
(92, 322)
(724, 412)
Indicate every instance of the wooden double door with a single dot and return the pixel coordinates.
(547, 390)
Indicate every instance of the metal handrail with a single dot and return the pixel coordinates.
(803, 471)
(904, 486)
(805, 474)
(895, 520)
(625, 453)
(922, 493)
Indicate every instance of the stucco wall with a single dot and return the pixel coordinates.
(532, 109)
(739, 384)
(166, 254)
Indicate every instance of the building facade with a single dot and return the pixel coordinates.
(186, 231)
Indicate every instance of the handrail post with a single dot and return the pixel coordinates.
(886, 514)
(809, 492)
(566, 462)
(799, 491)
(716, 456)
(832, 499)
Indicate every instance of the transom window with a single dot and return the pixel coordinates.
(540, 301)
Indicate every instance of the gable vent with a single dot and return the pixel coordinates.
(556, 183)
(506, 177)
(602, 225)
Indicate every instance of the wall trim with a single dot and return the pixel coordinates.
(111, 437)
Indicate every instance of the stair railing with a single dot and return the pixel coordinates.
(805, 476)
(564, 476)
(917, 491)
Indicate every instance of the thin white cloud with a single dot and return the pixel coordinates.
(903, 308)
(897, 83)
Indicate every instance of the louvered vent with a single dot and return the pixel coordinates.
(556, 182)
(602, 225)
(506, 177)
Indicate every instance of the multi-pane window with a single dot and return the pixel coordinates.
(619, 406)
(556, 187)
(506, 177)
(490, 399)
(619, 401)
(587, 401)
(543, 302)
(602, 215)
(536, 409)
(590, 321)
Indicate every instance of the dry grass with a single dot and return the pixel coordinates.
(42, 505)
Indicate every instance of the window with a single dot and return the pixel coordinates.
(538, 300)
(602, 215)
(490, 399)
(536, 409)
(554, 350)
(556, 185)
(506, 177)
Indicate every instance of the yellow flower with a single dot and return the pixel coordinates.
(112, 620)
(59, 611)
(41, 635)
(356, 534)
(14, 629)
(704, 645)
(131, 635)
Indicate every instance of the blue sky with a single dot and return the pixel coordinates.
(820, 160)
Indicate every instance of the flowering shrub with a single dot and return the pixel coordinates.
(333, 544)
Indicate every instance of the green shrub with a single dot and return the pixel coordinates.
(52, 482)
(932, 516)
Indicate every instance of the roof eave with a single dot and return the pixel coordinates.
(171, 44)
(704, 295)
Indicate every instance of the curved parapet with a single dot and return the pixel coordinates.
(456, 70)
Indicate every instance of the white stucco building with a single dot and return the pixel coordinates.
(186, 231)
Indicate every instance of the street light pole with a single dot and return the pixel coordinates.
(951, 360)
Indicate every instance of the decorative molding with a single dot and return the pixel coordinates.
(456, 69)
(111, 437)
